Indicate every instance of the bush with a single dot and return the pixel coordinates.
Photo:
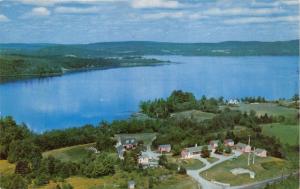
(228, 150)
(13, 182)
(182, 170)
(205, 152)
(172, 166)
(41, 179)
(101, 166)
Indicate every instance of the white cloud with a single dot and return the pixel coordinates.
(290, 2)
(3, 18)
(162, 15)
(40, 11)
(76, 10)
(275, 3)
(141, 4)
(241, 11)
(196, 16)
(173, 15)
(37, 12)
(54, 2)
(260, 20)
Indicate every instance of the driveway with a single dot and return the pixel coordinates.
(205, 184)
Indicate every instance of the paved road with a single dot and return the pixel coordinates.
(205, 184)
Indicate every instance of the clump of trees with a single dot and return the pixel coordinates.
(205, 153)
(220, 148)
(178, 101)
(258, 99)
(102, 165)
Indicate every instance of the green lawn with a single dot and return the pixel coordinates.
(178, 182)
(72, 153)
(119, 180)
(289, 183)
(269, 108)
(146, 137)
(193, 114)
(212, 159)
(191, 164)
(287, 134)
(264, 168)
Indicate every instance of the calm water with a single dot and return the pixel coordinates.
(89, 97)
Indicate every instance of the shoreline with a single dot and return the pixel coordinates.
(29, 77)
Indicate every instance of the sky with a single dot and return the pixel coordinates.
(89, 21)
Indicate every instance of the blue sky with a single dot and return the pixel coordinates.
(87, 21)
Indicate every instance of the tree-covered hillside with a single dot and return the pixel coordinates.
(230, 48)
(18, 66)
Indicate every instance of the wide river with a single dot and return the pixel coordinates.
(89, 97)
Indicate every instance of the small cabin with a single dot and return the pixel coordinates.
(229, 142)
(260, 152)
(233, 102)
(131, 184)
(193, 152)
(146, 160)
(129, 143)
(243, 147)
(214, 143)
(164, 148)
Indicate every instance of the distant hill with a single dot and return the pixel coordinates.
(230, 48)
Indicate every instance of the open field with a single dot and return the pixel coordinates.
(212, 159)
(191, 164)
(287, 134)
(289, 183)
(147, 138)
(178, 182)
(193, 114)
(6, 168)
(269, 108)
(72, 153)
(264, 168)
(120, 181)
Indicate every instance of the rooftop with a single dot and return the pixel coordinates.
(165, 145)
(259, 150)
(125, 141)
(196, 148)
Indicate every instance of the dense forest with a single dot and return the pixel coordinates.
(133, 48)
(23, 147)
(17, 66)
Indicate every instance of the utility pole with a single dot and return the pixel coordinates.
(249, 152)
(253, 155)
(249, 140)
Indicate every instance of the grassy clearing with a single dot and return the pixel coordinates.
(72, 153)
(191, 164)
(147, 138)
(287, 134)
(178, 182)
(290, 183)
(120, 181)
(193, 114)
(6, 168)
(269, 108)
(264, 168)
(76, 182)
(212, 159)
